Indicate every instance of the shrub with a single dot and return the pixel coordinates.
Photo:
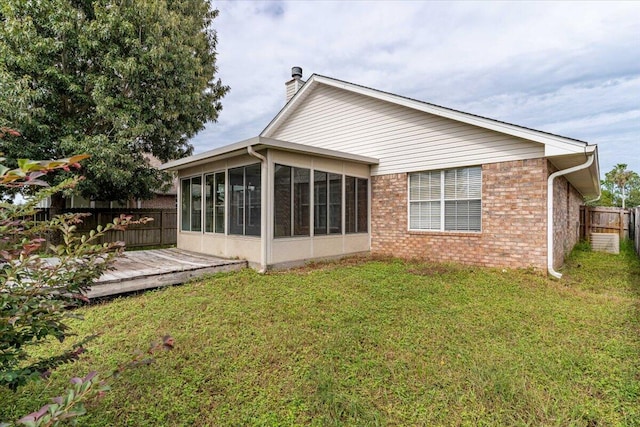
(40, 282)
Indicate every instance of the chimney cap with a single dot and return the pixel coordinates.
(296, 72)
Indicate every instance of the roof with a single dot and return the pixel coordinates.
(556, 144)
(562, 152)
(258, 143)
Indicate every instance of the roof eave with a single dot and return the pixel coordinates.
(258, 143)
(586, 181)
(205, 157)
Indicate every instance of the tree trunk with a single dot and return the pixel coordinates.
(56, 208)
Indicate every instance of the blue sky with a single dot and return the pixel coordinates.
(569, 68)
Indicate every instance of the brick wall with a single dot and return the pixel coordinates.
(566, 218)
(514, 213)
(161, 201)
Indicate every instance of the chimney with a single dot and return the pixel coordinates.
(296, 82)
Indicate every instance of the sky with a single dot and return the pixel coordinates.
(568, 68)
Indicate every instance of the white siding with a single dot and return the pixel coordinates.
(403, 139)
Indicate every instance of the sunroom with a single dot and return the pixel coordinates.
(273, 203)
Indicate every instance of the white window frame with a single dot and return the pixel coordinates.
(442, 199)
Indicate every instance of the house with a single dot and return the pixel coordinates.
(163, 199)
(345, 169)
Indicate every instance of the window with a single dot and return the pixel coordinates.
(191, 210)
(453, 195)
(245, 200)
(356, 205)
(291, 201)
(214, 202)
(327, 207)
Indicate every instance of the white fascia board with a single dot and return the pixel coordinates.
(197, 159)
(317, 151)
(556, 144)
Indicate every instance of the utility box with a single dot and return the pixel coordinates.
(605, 242)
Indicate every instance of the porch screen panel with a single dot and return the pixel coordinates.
(350, 204)
(214, 190)
(301, 201)
(291, 201)
(319, 203)
(253, 200)
(196, 203)
(363, 205)
(236, 202)
(282, 201)
(209, 196)
(356, 199)
(245, 192)
(185, 211)
(335, 203)
(219, 202)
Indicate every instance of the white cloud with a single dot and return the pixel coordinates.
(570, 68)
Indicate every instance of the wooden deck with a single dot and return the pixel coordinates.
(140, 270)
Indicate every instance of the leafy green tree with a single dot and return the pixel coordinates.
(119, 80)
(621, 187)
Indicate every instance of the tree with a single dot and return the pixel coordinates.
(622, 186)
(118, 80)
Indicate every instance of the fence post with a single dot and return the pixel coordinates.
(161, 227)
(587, 223)
(621, 225)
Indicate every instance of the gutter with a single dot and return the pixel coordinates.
(550, 180)
(263, 208)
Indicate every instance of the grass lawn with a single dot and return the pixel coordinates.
(371, 342)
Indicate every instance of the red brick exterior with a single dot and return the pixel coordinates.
(161, 201)
(514, 217)
(566, 219)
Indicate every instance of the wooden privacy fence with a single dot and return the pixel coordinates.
(162, 231)
(598, 219)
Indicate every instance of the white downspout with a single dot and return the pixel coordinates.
(263, 208)
(553, 176)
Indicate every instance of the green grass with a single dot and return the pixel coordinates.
(372, 342)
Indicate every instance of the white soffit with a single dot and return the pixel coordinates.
(586, 181)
